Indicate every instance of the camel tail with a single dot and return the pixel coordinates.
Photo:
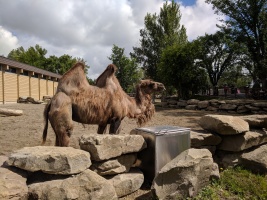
(46, 111)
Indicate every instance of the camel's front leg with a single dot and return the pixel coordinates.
(101, 129)
(114, 126)
(60, 117)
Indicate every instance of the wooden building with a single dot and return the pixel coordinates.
(21, 80)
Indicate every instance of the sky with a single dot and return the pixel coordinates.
(89, 28)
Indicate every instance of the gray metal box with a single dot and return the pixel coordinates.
(164, 143)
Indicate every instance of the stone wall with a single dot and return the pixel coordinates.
(105, 168)
(241, 106)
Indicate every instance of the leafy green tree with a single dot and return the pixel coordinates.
(247, 21)
(128, 71)
(235, 76)
(178, 69)
(36, 56)
(160, 32)
(215, 54)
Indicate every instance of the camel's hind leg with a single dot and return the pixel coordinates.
(101, 129)
(60, 117)
(114, 126)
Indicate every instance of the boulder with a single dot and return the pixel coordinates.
(12, 182)
(181, 104)
(203, 138)
(86, 185)
(252, 108)
(203, 104)
(243, 141)
(118, 165)
(127, 183)
(50, 159)
(191, 107)
(260, 104)
(212, 108)
(172, 102)
(193, 102)
(227, 107)
(242, 109)
(256, 160)
(223, 124)
(185, 175)
(256, 121)
(103, 147)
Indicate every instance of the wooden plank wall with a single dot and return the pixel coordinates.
(15, 85)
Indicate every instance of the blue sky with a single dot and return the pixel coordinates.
(188, 2)
(88, 29)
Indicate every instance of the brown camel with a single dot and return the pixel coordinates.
(76, 100)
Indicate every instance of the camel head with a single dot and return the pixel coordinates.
(148, 86)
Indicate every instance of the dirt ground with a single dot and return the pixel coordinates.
(17, 132)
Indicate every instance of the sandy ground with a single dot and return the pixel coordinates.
(17, 132)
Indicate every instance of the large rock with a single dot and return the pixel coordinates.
(224, 124)
(51, 160)
(185, 175)
(84, 186)
(12, 182)
(256, 121)
(127, 183)
(191, 107)
(260, 104)
(192, 102)
(118, 165)
(203, 104)
(103, 147)
(256, 160)
(202, 138)
(227, 106)
(243, 141)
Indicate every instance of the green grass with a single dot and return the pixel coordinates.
(235, 184)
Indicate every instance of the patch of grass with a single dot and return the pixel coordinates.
(235, 183)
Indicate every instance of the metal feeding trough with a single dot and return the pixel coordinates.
(164, 143)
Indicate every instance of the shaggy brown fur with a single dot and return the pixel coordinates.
(76, 100)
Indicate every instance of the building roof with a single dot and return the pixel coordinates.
(19, 65)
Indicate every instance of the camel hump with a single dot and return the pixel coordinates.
(112, 68)
(79, 64)
(101, 81)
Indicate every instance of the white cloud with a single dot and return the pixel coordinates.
(199, 19)
(87, 29)
(7, 41)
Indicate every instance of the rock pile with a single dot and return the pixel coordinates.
(104, 166)
(235, 140)
(245, 106)
(103, 170)
(28, 100)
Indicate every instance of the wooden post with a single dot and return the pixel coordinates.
(4, 68)
(30, 74)
(39, 84)
(18, 71)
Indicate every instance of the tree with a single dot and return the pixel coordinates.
(247, 21)
(128, 71)
(177, 69)
(160, 32)
(215, 54)
(35, 56)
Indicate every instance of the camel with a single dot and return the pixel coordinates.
(107, 103)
